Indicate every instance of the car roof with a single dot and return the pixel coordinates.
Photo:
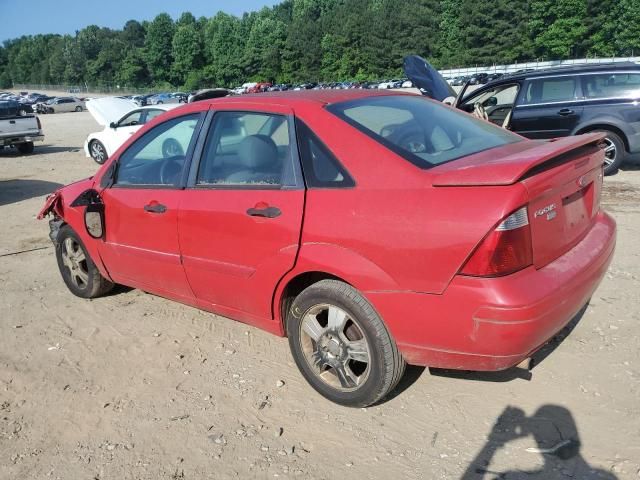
(291, 97)
(162, 106)
(579, 68)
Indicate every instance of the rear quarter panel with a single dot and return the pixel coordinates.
(405, 233)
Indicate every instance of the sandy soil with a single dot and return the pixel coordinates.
(133, 386)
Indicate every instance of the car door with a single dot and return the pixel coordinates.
(123, 129)
(141, 210)
(496, 101)
(548, 107)
(240, 218)
(65, 105)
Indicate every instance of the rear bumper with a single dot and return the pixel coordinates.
(495, 323)
(15, 139)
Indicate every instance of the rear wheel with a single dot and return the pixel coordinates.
(341, 345)
(25, 148)
(97, 152)
(78, 108)
(78, 271)
(614, 152)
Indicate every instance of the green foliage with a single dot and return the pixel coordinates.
(323, 40)
(158, 46)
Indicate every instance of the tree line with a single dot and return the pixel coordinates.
(323, 40)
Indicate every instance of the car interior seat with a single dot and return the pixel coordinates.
(257, 161)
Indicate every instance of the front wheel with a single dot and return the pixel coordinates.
(78, 108)
(614, 152)
(341, 345)
(78, 271)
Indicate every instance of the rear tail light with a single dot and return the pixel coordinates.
(505, 250)
(39, 124)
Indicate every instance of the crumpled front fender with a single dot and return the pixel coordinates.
(52, 204)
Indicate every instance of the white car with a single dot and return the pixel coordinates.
(121, 118)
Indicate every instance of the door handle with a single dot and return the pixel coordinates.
(268, 212)
(155, 208)
(565, 112)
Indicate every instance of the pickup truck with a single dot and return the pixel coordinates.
(19, 131)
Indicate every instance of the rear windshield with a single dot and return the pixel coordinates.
(424, 132)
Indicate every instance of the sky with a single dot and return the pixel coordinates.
(22, 17)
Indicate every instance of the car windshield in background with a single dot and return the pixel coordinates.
(424, 132)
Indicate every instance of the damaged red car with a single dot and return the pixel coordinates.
(372, 229)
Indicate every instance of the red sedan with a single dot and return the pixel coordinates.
(372, 229)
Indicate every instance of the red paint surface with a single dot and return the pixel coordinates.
(400, 236)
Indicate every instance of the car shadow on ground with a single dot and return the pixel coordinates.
(516, 372)
(557, 444)
(12, 191)
(38, 149)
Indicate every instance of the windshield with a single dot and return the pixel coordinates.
(424, 132)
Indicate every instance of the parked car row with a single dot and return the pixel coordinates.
(158, 98)
(259, 87)
(476, 79)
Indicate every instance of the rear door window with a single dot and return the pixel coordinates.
(132, 119)
(247, 149)
(550, 90)
(611, 85)
(422, 131)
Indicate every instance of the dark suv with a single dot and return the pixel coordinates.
(567, 101)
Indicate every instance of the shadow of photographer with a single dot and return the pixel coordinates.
(558, 444)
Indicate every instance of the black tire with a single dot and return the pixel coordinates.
(94, 284)
(22, 112)
(51, 110)
(98, 152)
(384, 366)
(615, 152)
(78, 108)
(25, 148)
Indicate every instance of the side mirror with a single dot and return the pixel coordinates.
(94, 220)
(113, 125)
(93, 213)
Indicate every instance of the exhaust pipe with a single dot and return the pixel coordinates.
(527, 364)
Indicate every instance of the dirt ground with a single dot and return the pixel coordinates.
(133, 386)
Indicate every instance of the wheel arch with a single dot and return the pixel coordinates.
(605, 126)
(321, 261)
(293, 287)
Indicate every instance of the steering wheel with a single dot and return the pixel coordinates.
(171, 148)
(170, 169)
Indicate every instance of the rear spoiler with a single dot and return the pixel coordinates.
(489, 168)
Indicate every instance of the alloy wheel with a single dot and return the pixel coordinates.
(610, 151)
(97, 152)
(335, 347)
(75, 260)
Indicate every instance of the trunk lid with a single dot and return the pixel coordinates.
(109, 109)
(563, 179)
